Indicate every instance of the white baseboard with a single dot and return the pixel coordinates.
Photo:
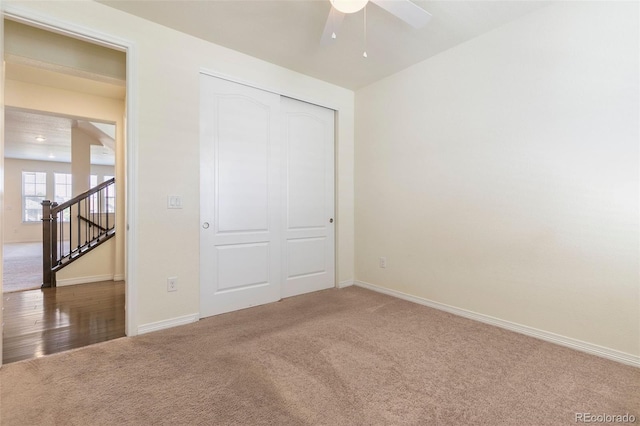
(84, 280)
(118, 277)
(347, 283)
(169, 323)
(569, 342)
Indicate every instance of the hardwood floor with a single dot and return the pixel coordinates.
(45, 321)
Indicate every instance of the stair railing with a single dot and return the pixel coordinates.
(75, 227)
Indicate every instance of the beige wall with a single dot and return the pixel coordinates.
(97, 265)
(26, 44)
(501, 176)
(15, 230)
(167, 147)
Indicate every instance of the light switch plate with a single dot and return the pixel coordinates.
(174, 202)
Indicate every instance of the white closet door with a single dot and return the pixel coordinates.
(308, 193)
(240, 240)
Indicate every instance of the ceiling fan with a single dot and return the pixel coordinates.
(405, 10)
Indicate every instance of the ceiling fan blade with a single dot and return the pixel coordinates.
(406, 10)
(333, 23)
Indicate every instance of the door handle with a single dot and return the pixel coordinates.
(331, 220)
(205, 225)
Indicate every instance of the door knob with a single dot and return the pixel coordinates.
(205, 225)
(331, 220)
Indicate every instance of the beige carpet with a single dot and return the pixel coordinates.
(337, 357)
(22, 267)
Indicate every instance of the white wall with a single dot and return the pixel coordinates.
(501, 176)
(168, 65)
(15, 230)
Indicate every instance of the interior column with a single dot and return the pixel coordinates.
(80, 160)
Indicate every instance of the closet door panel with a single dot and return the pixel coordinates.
(308, 223)
(240, 234)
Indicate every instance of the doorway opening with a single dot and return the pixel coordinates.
(64, 134)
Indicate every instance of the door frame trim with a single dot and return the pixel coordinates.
(266, 88)
(52, 24)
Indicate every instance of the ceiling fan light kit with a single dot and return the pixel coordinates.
(405, 10)
(349, 6)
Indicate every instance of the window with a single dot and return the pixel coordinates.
(93, 201)
(110, 196)
(62, 192)
(104, 200)
(62, 189)
(34, 191)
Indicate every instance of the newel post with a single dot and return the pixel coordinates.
(46, 243)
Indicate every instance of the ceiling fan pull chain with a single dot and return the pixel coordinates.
(364, 54)
(332, 17)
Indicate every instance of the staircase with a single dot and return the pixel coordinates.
(74, 228)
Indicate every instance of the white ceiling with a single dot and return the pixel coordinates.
(287, 32)
(22, 128)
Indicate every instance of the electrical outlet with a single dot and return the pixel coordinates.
(382, 262)
(172, 284)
